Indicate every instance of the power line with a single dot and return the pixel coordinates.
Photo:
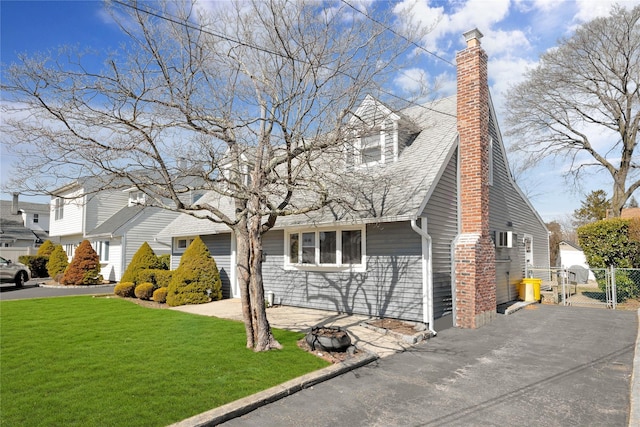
(225, 37)
(395, 33)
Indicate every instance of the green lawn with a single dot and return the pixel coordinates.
(107, 362)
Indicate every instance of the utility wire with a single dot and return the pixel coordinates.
(225, 37)
(395, 33)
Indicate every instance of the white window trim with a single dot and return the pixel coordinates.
(189, 240)
(382, 141)
(358, 268)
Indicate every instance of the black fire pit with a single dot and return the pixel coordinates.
(328, 338)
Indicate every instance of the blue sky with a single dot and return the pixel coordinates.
(515, 34)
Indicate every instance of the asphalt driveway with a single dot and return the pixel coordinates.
(8, 291)
(543, 366)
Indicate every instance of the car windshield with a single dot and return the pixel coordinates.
(3, 260)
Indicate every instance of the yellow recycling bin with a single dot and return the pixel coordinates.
(529, 289)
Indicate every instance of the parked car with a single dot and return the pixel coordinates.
(14, 272)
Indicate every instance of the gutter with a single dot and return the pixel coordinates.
(427, 272)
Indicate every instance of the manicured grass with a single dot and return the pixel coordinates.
(104, 361)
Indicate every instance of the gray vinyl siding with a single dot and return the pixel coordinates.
(144, 228)
(390, 287)
(442, 221)
(219, 246)
(507, 206)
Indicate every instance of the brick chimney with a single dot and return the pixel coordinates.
(475, 275)
(14, 204)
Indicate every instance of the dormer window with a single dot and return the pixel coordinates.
(371, 150)
(136, 198)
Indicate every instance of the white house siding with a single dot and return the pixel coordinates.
(509, 211)
(442, 221)
(112, 269)
(143, 228)
(102, 206)
(390, 287)
(71, 222)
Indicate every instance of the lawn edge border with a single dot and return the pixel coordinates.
(247, 404)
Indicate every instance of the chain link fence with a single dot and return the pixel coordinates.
(578, 286)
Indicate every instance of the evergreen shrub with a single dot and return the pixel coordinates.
(143, 259)
(165, 261)
(84, 268)
(144, 290)
(196, 274)
(160, 295)
(58, 262)
(160, 278)
(125, 289)
(36, 263)
(46, 248)
(614, 241)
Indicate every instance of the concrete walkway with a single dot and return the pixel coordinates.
(303, 319)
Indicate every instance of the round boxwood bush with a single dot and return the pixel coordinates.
(84, 268)
(196, 274)
(125, 289)
(144, 290)
(160, 295)
(143, 259)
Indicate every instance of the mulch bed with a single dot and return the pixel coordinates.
(394, 325)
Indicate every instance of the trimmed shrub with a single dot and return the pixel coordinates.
(144, 290)
(610, 242)
(616, 242)
(125, 289)
(36, 263)
(144, 258)
(160, 278)
(196, 274)
(160, 295)
(165, 261)
(58, 262)
(84, 268)
(46, 248)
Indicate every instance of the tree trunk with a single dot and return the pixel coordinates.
(263, 338)
(243, 276)
(619, 198)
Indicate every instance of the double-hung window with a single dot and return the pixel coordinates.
(58, 206)
(325, 248)
(182, 243)
(102, 249)
(371, 148)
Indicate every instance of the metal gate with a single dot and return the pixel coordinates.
(598, 287)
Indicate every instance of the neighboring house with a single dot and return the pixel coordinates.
(630, 213)
(442, 233)
(112, 220)
(23, 224)
(572, 257)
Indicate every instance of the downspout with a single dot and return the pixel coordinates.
(427, 275)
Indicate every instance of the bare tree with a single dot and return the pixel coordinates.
(240, 100)
(588, 85)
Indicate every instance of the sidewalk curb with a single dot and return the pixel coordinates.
(247, 404)
(634, 413)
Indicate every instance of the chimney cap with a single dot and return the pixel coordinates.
(472, 37)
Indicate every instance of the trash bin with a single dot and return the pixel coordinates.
(529, 289)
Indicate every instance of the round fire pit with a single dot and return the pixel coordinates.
(328, 338)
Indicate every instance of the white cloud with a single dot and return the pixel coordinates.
(412, 80)
(497, 42)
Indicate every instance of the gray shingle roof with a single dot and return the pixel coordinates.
(383, 193)
(12, 226)
(116, 224)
